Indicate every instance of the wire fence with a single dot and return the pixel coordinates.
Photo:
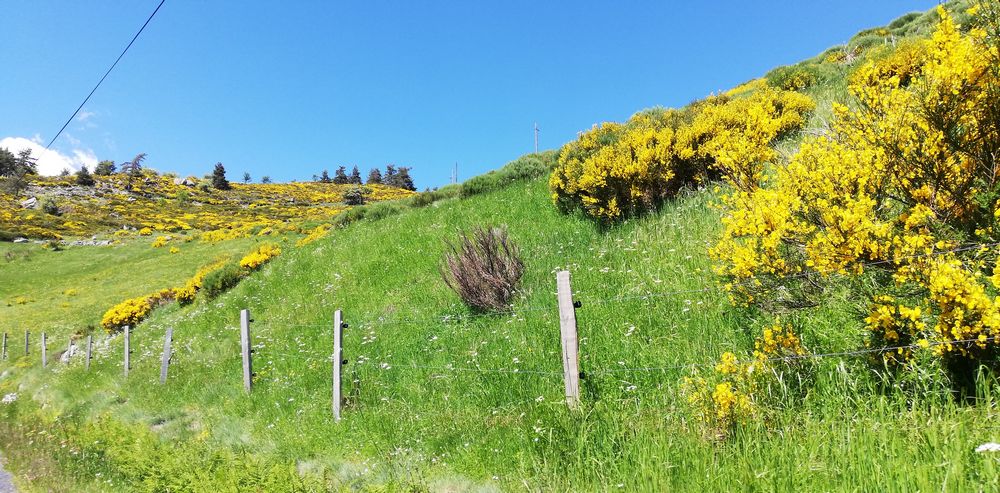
(274, 348)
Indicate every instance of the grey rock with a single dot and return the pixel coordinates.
(20, 240)
(30, 203)
(66, 355)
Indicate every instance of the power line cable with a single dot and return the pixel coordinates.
(92, 91)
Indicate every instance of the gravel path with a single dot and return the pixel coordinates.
(6, 484)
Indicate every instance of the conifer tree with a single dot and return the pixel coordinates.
(219, 180)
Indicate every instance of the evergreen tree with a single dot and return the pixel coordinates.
(390, 175)
(105, 168)
(246, 177)
(65, 172)
(14, 170)
(219, 180)
(355, 177)
(374, 176)
(325, 177)
(8, 163)
(26, 163)
(265, 179)
(83, 177)
(340, 177)
(403, 179)
(133, 168)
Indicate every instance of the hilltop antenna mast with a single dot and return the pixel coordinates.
(454, 174)
(536, 138)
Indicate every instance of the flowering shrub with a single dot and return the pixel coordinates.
(619, 170)
(186, 295)
(160, 241)
(739, 391)
(735, 136)
(904, 63)
(888, 196)
(317, 233)
(260, 256)
(132, 311)
(158, 204)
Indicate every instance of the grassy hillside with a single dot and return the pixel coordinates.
(419, 416)
(443, 399)
(121, 206)
(125, 238)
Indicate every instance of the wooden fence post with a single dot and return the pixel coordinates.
(69, 349)
(4, 356)
(246, 350)
(90, 345)
(338, 361)
(45, 360)
(128, 349)
(570, 343)
(27, 340)
(166, 356)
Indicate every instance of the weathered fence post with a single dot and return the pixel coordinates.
(246, 350)
(338, 361)
(166, 356)
(4, 356)
(69, 349)
(45, 360)
(27, 340)
(570, 343)
(90, 345)
(128, 349)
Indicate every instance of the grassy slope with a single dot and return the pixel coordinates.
(412, 423)
(101, 277)
(447, 428)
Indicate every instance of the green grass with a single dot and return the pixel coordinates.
(433, 401)
(101, 277)
(439, 428)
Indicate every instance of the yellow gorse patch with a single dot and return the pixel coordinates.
(186, 294)
(897, 184)
(737, 391)
(154, 203)
(132, 311)
(314, 235)
(259, 257)
(617, 170)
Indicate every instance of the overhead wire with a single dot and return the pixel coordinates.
(105, 76)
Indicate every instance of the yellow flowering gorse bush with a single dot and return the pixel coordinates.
(260, 256)
(186, 294)
(738, 391)
(132, 311)
(317, 233)
(891, 193)
(618, 170)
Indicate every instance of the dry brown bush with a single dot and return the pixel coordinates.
(484, 267)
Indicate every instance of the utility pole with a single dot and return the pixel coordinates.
(454, 174)
(536, 138)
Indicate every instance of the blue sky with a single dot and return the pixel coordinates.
(287, 89)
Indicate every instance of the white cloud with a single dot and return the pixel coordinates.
(51, 162)
(84, 115)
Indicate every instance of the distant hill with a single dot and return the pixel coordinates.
(116, 205)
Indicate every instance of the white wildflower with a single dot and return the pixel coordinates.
(986, 447)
